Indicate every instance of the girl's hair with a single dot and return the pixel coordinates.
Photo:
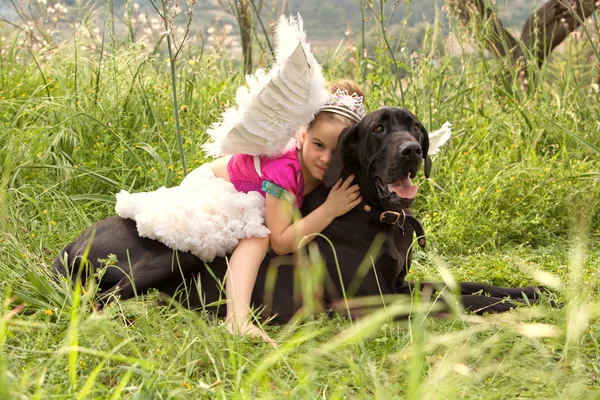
(350, 87)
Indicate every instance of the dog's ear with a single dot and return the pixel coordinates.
(341, 155)
(425, 149)
(427, 166)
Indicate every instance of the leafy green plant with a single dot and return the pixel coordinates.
(513, 200)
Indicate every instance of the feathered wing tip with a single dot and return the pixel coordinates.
(289, 32)
(273, 106)
(439, 137)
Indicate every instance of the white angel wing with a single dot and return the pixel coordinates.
(274, 106)
(439, 137)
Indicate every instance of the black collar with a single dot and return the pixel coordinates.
(399, 218)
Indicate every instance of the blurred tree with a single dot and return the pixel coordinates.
(244, 17)
(242, 10)
(542, 32)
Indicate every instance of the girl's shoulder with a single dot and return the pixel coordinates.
(286, 165)
(289, 157)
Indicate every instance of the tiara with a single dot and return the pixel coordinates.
(350, 106)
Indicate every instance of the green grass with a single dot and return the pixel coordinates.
(515, 193)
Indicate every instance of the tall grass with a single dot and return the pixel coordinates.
(513, 200)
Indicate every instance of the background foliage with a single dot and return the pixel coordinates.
(513, 200)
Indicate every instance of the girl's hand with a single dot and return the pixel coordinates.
(342, 198)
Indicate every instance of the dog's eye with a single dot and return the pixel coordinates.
(416, 128)
(378, 129)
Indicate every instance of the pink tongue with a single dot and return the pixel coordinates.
(404, 188)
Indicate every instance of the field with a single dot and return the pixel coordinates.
(513, 200)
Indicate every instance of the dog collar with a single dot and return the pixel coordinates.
(400, 218)
(393, 217)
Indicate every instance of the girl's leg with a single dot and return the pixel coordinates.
(241, 276)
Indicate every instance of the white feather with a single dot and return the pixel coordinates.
(274, 106)
(439, 137)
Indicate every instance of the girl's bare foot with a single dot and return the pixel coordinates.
(248, 328)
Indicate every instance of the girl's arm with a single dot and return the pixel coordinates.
(285, 237)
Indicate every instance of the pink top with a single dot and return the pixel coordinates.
(284, 171)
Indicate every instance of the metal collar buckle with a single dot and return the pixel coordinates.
(392, 217)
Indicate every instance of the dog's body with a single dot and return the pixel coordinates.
(383, 151)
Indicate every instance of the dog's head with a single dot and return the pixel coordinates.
(384, 150)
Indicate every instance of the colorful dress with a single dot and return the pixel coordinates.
(281, 176)
(208, 216)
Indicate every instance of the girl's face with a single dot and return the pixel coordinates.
(318, 145)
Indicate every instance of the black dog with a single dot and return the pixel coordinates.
(384, 151)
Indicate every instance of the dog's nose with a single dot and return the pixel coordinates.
(410, 149)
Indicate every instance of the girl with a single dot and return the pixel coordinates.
(284, 181)
(212, 217)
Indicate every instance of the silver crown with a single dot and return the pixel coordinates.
(348, 105)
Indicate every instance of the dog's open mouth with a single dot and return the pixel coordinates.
(402, 187)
